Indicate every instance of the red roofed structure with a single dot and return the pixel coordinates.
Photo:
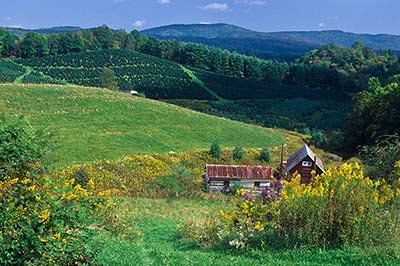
(239, 172)
(222, 176)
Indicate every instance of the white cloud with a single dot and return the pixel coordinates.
(139, 23)
(164, 1)
(322, 24)
(15, 26)
(251, 2)
(205, 22)
(7, 18)
(215, 6)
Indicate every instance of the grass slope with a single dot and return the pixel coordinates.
(94, 123)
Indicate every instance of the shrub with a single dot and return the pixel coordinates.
(107, 79)
(265, 155)
(215, 150)
(179, 184)
(21, 148)
(238, 154)
(379, 159)
(41, 222)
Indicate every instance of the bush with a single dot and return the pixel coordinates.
(41, 222)
(265, 155)
(178, 185)
(215, 150)
(379, 159)
(21, 148)
(238, 154)
(340, 208)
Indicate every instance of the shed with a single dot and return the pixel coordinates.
(222, 177)
(304, 161)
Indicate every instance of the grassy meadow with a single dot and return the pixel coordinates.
(157, 220)
(93, 123)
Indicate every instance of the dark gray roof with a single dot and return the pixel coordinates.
(302, 153)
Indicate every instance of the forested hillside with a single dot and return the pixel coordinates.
(272, 45)
(156, 78)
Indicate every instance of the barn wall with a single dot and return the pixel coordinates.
(217, 186)
(304, 171)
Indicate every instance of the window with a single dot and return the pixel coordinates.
(226, 183)
(257, 184)
(307, 163)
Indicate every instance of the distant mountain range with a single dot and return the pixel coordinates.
(272, 45)
(22, 32)
(288, 44)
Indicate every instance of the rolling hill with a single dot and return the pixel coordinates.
(247, 100)
(156, 78)
(22, 32)
(94, 123)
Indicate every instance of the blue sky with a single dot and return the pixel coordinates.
(360, 16)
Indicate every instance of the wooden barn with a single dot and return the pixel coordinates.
(304, 161)
(222, 177)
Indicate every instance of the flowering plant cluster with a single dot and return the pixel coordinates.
(42, 222)
(341, 207)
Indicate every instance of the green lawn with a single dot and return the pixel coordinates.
(158, 219)
(92, 123)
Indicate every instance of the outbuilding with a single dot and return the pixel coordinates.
(304, 161)
(222, 177)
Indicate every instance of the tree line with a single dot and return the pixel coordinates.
(213, 59)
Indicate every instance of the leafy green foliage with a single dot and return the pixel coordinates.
(238, 153)
(215, 150)
(265, 155)
(180, 184)
(373, 113)
(34, 45)
(39, 220)
(379, 159)
(356, 64)
(107, 79)
(21, 148)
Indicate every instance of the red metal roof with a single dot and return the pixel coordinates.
(238, 171)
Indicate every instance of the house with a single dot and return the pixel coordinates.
(222, 177)
(304, 161)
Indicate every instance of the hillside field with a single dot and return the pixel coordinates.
(248, 100)
(93, 123)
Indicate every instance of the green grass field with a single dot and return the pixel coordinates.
(158, 220)
(93, 123)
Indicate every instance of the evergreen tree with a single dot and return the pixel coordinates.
(265, 155)
(215, 150)
(107, 79)
(238, 154)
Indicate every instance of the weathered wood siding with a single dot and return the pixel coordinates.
(218, 186)
(304, 171)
